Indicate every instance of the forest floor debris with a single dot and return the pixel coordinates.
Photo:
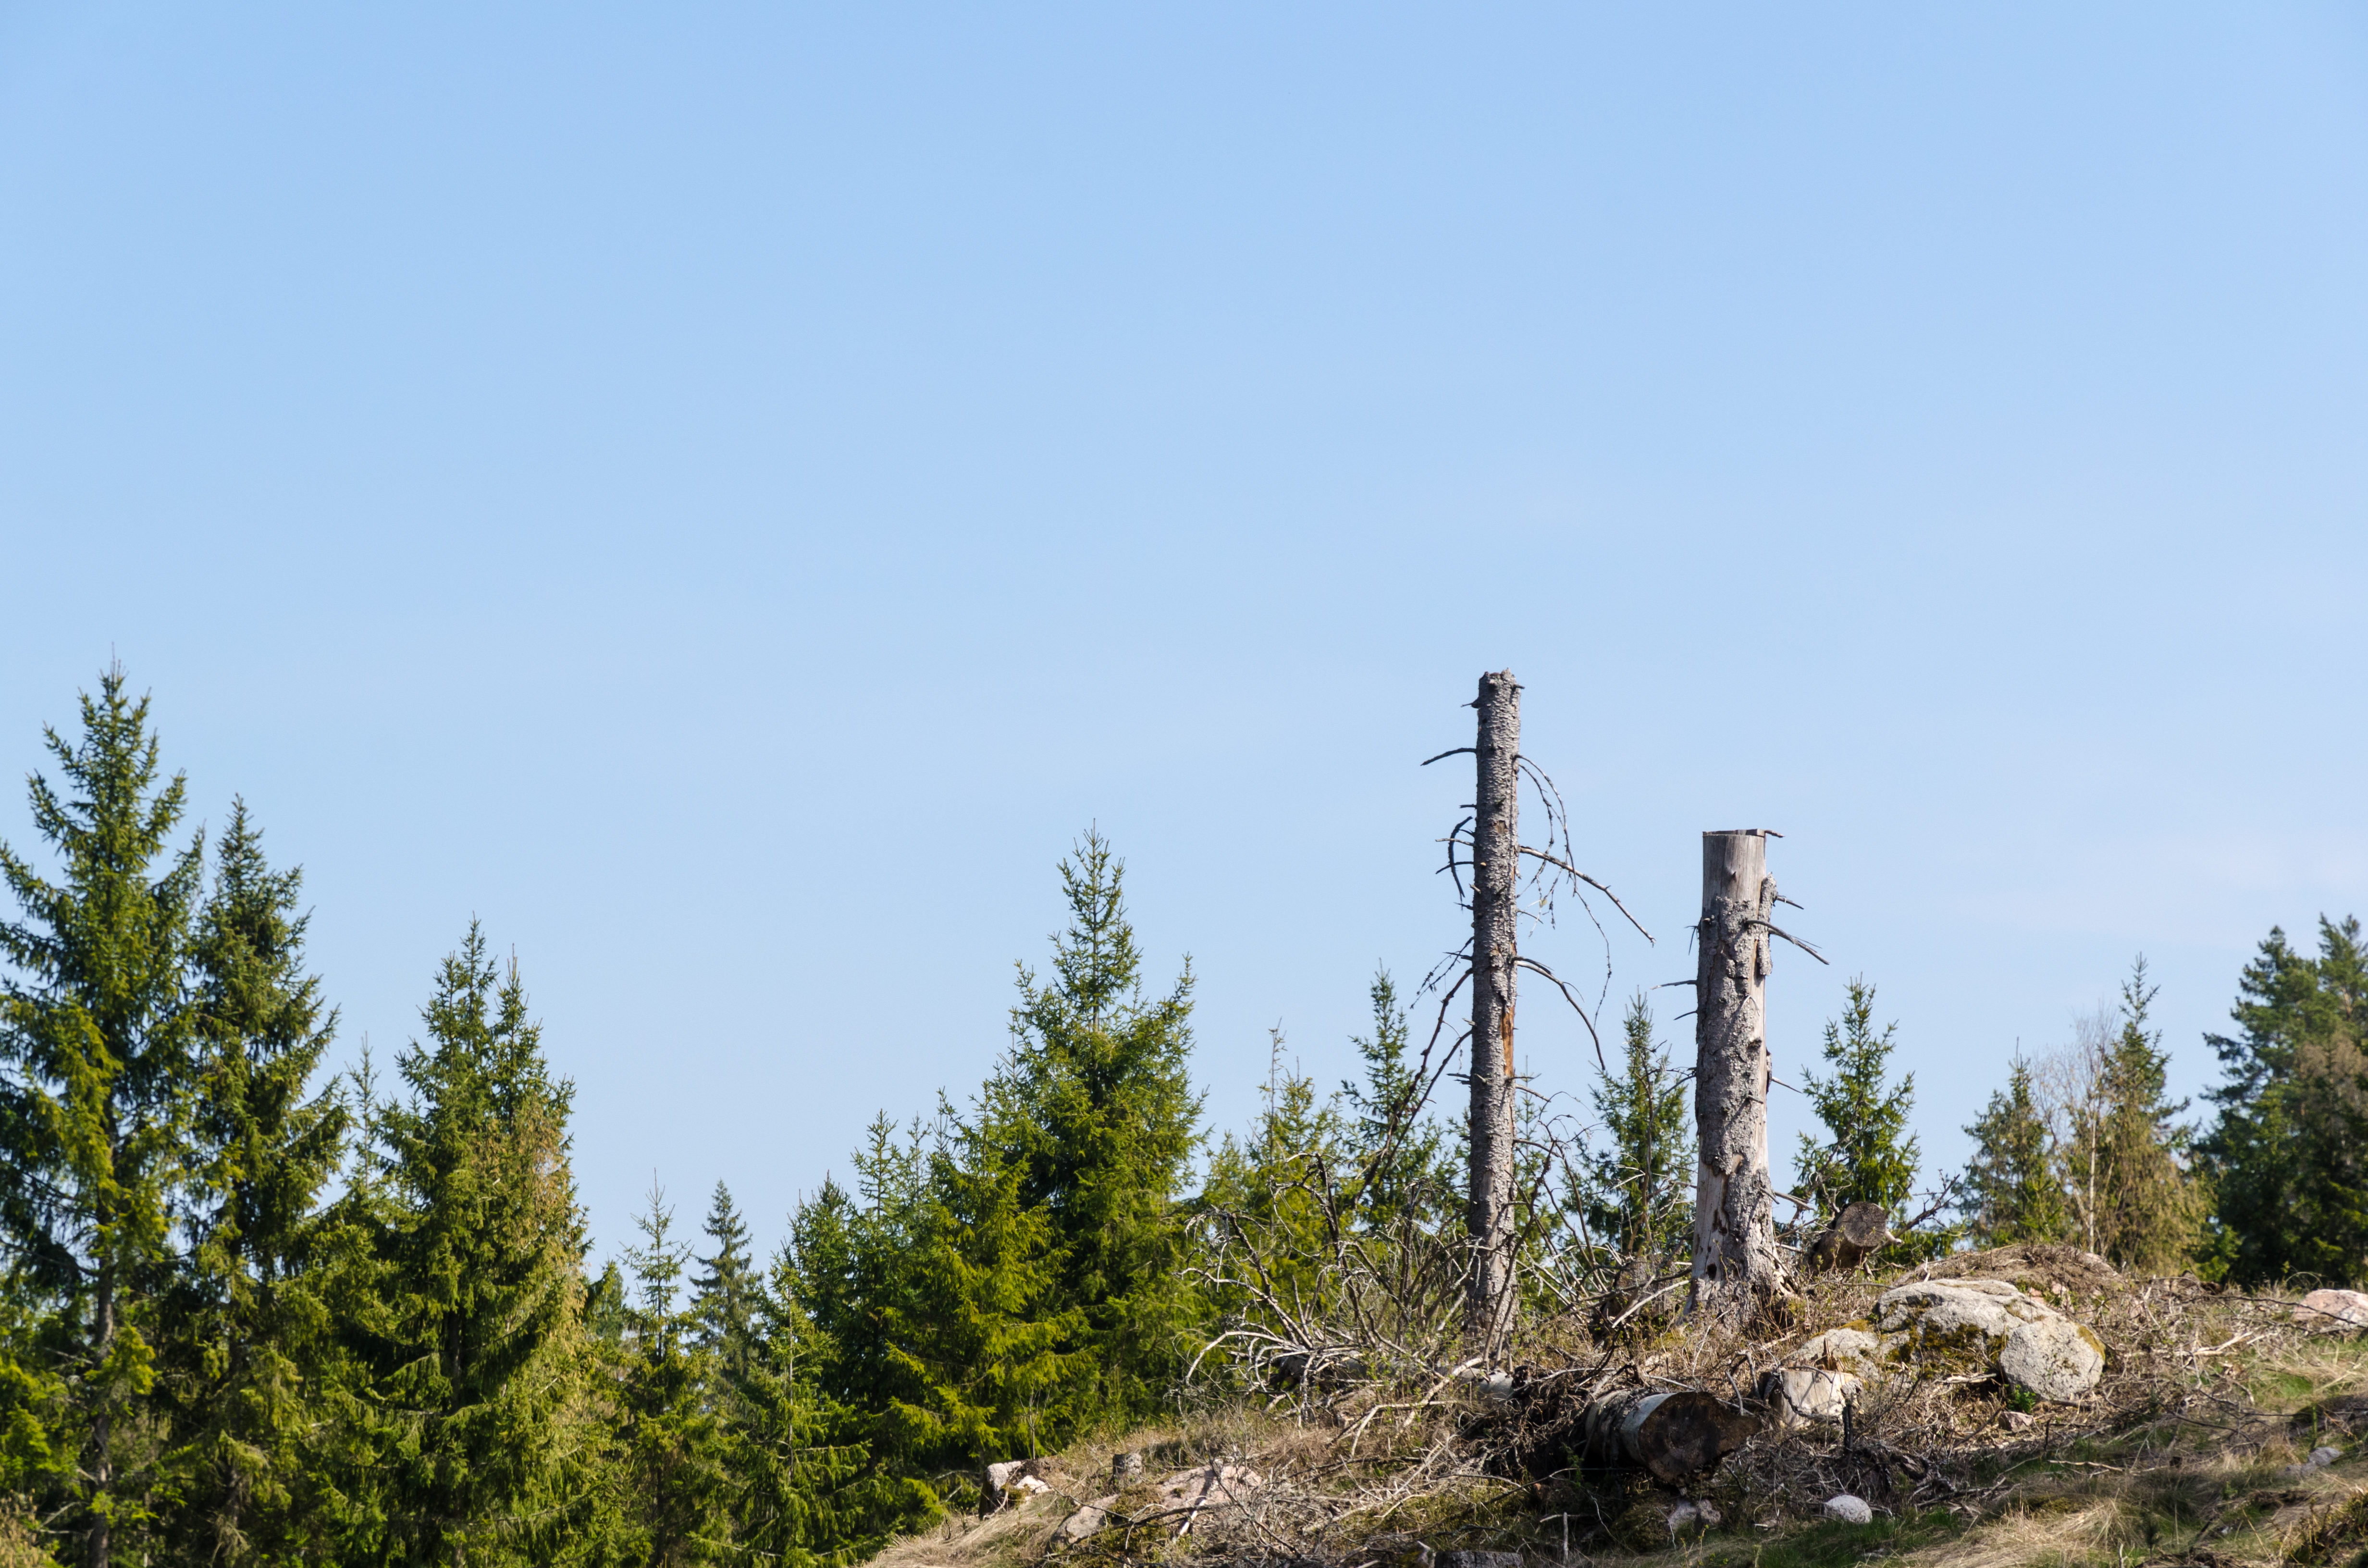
(2221, 1432)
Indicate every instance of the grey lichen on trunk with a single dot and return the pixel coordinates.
(1496, 853)
(1737, 1267)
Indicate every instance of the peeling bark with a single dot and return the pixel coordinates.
(1735, 1267)
(1496, 855)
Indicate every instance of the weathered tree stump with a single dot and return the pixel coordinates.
(1855, 1235)
(1736, 1266)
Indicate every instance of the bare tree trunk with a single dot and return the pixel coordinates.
(1495, 874)
(1735, 1263)
(99, 1546)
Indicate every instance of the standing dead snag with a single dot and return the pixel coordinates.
(1492, 849)
(1496, 876)
(1735, 1263)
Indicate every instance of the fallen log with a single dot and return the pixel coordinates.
(1671, 1434)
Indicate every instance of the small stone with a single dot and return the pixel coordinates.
(1479, 1560)
(2320, 1458)
(1710, 1517)
(1849, 1509)
(1026, 1486)
(1088, 1519)
(2015, 1420)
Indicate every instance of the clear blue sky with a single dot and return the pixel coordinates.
(726, 494)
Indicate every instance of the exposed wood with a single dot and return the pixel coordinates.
(1854, 1236)
(1736, 1266)
(1672, 1434)
(1495, 874)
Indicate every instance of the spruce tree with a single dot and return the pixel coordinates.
(471, 1339)
(726, 1293)
(97, 1039)
(666, 1460)
(805, 1490)
(1093, 1111)
(248, 1353)
(2125, 1155)
(2287, 1156)
(1281, 1192)
(1400, 1151)
(1868, 1156)
(2014, 1187)
(1637, 1194)
(933, 1288)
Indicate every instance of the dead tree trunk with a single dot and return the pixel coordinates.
(1671, 1435)
(1495, 874)
(1735, 1263)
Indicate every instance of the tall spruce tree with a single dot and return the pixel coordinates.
(1867, 1154)
(472, 1338)
(2125, 1156)
(2287, 1155)
(1092, 1109)
(2014, 1184)
(97, 1040)
(726, 1292)
(1637, 1194)
(248, 1355)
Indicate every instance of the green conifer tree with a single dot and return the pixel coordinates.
(807, 1489)
(1093, 1109)
(2287, 1156)
(97, 1040)
(471, 1339)
(1868, 1155)
(2014, 1184)
(1285, 1189)
(248, 1351)
(1637, 1195)
(2125, 1156)
(726, 1292)
(665, 1461)
(1399, 1151)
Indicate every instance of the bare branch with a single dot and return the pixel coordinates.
(1557, 861)
(1532, 964)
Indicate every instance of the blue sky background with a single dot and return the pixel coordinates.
(725, 495)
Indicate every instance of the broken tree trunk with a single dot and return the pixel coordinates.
(1735, 1263)
(1857, 1231)
(1496, 871)
(1673, 1434)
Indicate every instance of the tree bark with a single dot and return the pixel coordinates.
(1735, 1263)
(1495, 874)
(1671, 1435)
(1857, 1231)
